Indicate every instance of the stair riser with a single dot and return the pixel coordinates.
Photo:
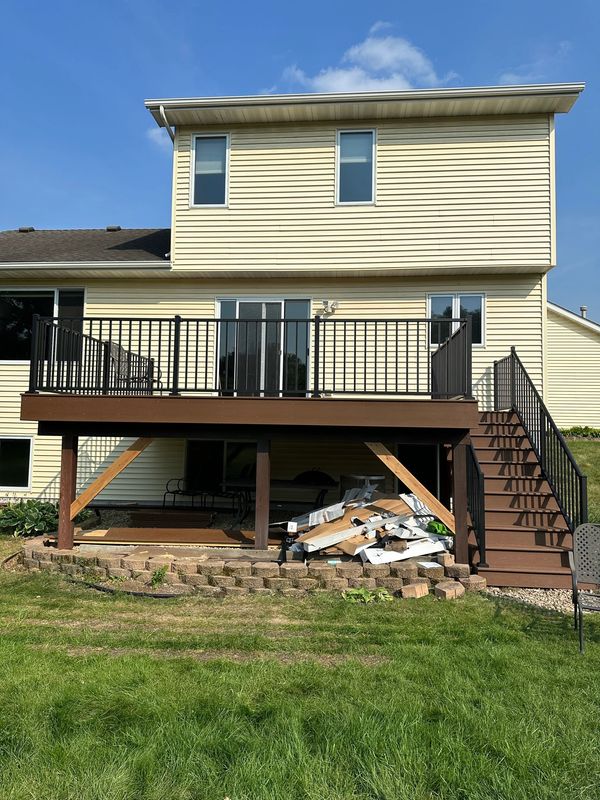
(492, 429)
(492, 440)
(502, 417)
(521, 502)
(515, 485)
(500, 469)
(507, 456)
(535, 561)
(527, 580)
(521, 538)
(526, 519)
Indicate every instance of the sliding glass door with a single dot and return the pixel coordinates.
(263, 347)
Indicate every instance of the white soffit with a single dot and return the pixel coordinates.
(478, 101)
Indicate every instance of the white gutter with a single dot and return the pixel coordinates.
(163, 116)
(350, 97)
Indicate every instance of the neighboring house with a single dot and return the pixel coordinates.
(572, 368)
(340, 263)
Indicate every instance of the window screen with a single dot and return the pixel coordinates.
(210, 171)
(355, 167)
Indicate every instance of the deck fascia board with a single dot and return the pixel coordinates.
(268, 412)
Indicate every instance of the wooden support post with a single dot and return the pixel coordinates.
(68, 485)
(459, 494)
(263, 493)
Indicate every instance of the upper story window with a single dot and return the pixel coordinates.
(210, 170)
(356, 167)
(444, 307)
(16, 315)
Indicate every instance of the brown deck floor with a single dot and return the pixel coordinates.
(213, 537)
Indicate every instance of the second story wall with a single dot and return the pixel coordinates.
(469, 194)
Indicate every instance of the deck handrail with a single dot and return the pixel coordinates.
(476, 502)
(316, 357)
(514, 390)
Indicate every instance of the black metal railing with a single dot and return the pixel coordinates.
(476, 502)
(252, 357)
(451, 364)
(514, 389)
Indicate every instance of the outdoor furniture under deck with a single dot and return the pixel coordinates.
(584, 561)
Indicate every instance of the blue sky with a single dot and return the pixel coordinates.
(78, 148)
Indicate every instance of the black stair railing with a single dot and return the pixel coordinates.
(252, 357)
(476, 502)
(514, 389)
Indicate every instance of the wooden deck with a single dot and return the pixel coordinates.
(211, 537)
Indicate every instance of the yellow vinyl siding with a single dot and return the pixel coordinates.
(513, 314)
(572, 372)
(461, 194)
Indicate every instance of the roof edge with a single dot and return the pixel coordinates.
(353, 97)
(573, 317)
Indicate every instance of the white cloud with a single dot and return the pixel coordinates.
(160, 138)
(539, 69)
(380, 25)
(378, 63)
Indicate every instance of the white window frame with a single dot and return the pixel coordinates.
(50, 289)
(268, 299)
(212, 135)
(30, 470)
(373, 200)
(456, 311)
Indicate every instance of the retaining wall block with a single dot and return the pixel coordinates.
(237, 568)
(349, 569)
(265, 569)
(221, 580)
(249, 582)
(376, 570)
(294, 569)
(449, 590)
(211, 567)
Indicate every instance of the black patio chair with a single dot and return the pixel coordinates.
(584, 561)
(180, 487)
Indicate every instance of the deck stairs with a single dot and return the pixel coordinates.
(527, 537)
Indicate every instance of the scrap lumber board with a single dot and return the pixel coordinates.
(394, 504)
(109, 474)
(415, 486)
(353, 546)
(338, 525)
(328, 537)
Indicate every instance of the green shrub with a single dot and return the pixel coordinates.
(158, 576)
(33, 517)
(29, 518)
(363, 595)
(581, 432)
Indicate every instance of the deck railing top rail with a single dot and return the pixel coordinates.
(252, 357)
(514, 389)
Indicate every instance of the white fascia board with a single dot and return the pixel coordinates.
(573, 317)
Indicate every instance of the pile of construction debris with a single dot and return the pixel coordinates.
(377, 527)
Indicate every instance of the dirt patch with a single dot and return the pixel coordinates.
(236, 656)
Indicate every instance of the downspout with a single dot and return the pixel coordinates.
(163, 116)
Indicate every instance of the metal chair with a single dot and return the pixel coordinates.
(179, 487)
(584, 561)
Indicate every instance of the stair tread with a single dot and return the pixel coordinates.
(527, 571)
(515, 493)
(528, 548)
(503, 509)
(538, 528)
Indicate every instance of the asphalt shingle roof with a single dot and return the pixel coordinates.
(68, 246)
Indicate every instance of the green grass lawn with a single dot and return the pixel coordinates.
(116, 698)
(587, 454)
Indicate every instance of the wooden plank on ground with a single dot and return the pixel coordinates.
(341, 524)
(415, 486)
(109, 474)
